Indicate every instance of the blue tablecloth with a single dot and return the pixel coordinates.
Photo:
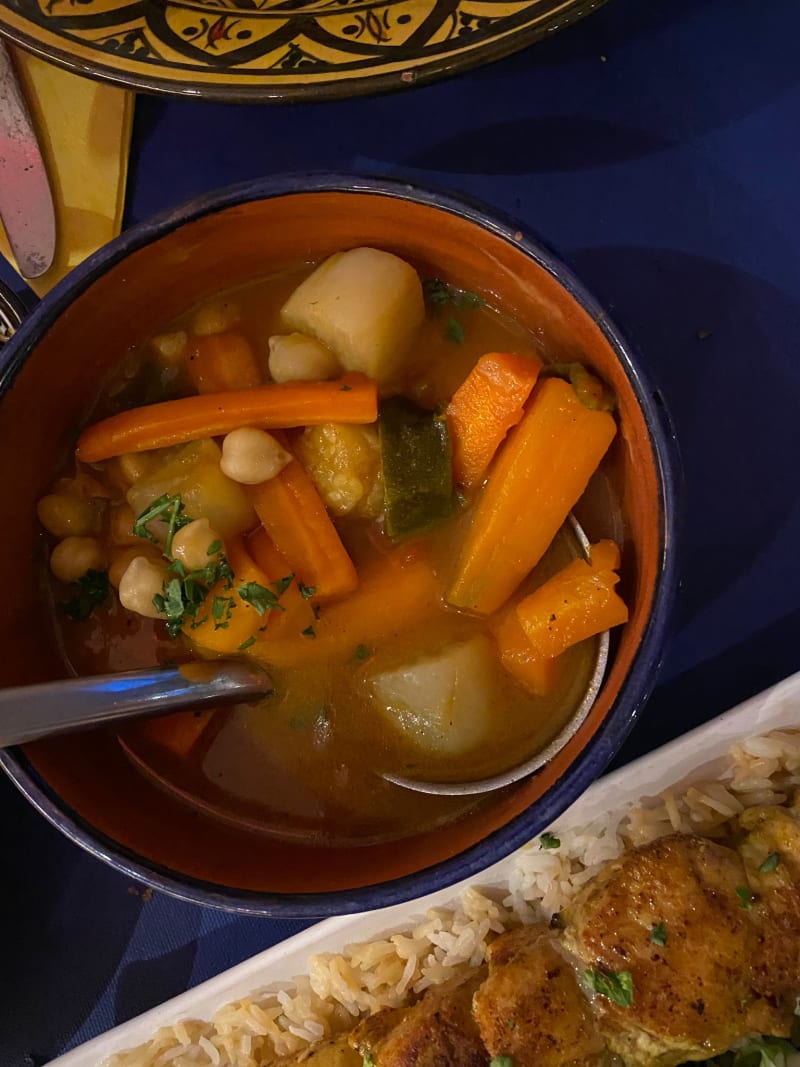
(656, 146)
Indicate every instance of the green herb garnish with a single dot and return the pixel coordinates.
(93, 591)
(439, 294)
(246, 644)
(222, 608)
(307, 591)
(511, 1024)
(259, 597)
(454, 332)
(745, 897)
(502, 1061)
(282, 584)
(548, 840)
(770, 863)
(213, 548)
(309, 632)
(617, 986)
(368, 1060)
(169, 509)
(362, 652)
(658, 935)
(345, 389)
(758, 1052)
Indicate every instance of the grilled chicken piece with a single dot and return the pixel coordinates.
(334, 1053)
(771, 854)
(532, 1008)
(692, 997)
(438, 1031)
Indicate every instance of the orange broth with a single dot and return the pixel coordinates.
(307, 762)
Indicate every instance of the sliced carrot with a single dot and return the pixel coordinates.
(297, 601)
(539, 475)
(293, 514)
(225, 622)
(538, 674)
(222, 362)
(604, 556)
(179, 732)
(394, 595)
(484, 408)
(578, 602)
(353, 398)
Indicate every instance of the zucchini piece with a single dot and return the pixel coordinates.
(417, 467)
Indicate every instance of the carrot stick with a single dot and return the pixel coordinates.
(574, 604)
(539, 475)
(353, 398)
(394, 595)
(222, 362)
(225, 621)
(484, 408)
(293, 514)
(536, 673)
(298, 610)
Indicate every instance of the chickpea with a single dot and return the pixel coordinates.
(74, 556)
(216, 316)
(192, 542)
(120, 525)
(251, 456)
(293, 357)
(63, 515)
(170, 346)
(123, 556)
(142, 580)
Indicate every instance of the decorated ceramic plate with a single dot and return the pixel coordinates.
(279, 49)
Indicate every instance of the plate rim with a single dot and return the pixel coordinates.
(49, 47)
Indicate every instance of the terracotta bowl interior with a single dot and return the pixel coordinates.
(50, 397)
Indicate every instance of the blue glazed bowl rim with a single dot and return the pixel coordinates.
(636, 687)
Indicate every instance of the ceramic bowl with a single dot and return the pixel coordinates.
(49, 374)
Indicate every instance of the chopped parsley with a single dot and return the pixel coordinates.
(362, 652)
(440, 294)
(168, 508)
(282, 584)
(222, 608)
(502, 1061)
(345, 389)
(770, 863)
(511, 1024)
(368, 1060)
(549, 840)
(309, 632)
(259, 597)
(745, 897)
(93, 591)
(658, 935)
(617, 986)
(213, 548)
(454, 332)
(246, 644)
(307, 591)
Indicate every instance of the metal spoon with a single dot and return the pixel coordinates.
(528, 766)
(30, 712)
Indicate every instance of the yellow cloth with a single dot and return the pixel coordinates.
(84, 129)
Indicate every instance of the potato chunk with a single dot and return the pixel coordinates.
(344, 462)
(365, 305)
(441, 702)
(193, 472)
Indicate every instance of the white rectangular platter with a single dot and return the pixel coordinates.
(695, 756)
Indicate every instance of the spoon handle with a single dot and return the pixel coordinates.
(29, 712)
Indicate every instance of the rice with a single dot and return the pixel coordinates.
(364, 978)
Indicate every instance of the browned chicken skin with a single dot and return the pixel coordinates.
(690, 946)
(438, 1031)
(771, 854)
(532, 1008)
(693, 996)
